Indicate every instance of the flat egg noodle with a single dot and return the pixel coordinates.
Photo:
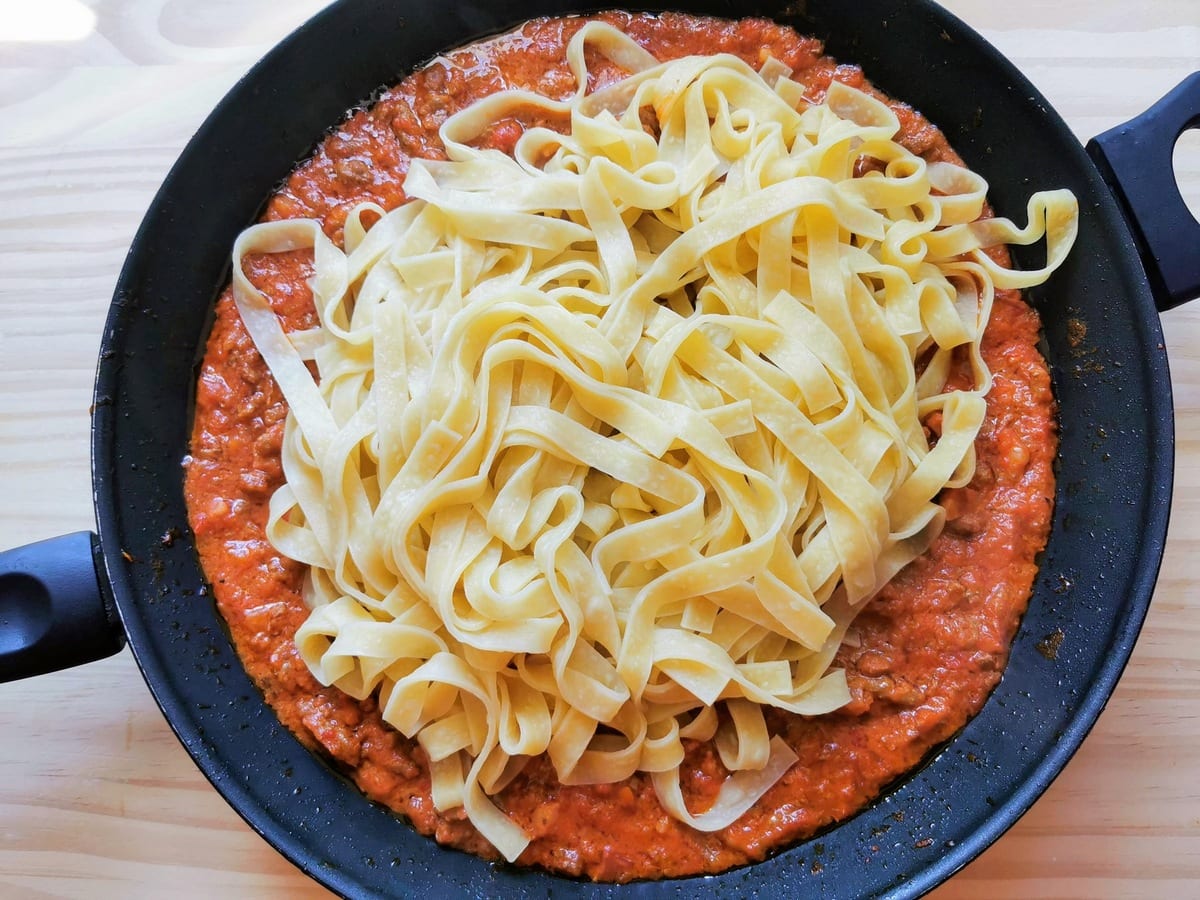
(610, 439)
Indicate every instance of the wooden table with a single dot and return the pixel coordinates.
(97, 799)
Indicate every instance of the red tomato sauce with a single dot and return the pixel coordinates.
(929, 648)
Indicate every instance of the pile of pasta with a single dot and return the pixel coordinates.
(610, 438)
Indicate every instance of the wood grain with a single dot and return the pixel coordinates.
(97, 798)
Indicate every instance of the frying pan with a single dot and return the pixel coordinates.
(71, 599)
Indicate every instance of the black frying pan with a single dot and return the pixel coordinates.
(72, 599)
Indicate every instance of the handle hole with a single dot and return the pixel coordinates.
(1186, 163)
(27, 612)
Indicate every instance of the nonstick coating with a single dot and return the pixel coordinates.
(1097, 573)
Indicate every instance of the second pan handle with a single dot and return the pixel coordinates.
(1135, 159)
(54, 611)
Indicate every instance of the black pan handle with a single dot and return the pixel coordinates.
(54, 611)
(1135, 160)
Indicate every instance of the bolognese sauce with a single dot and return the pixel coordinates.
(921, 658)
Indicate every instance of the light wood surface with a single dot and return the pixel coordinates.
(97, 799)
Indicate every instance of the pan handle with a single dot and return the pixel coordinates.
(1135, 160)
(54, 612)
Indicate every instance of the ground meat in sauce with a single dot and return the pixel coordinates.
(927, 650)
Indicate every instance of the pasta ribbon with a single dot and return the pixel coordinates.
(608, 440)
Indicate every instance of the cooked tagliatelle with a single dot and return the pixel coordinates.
(610, 439)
